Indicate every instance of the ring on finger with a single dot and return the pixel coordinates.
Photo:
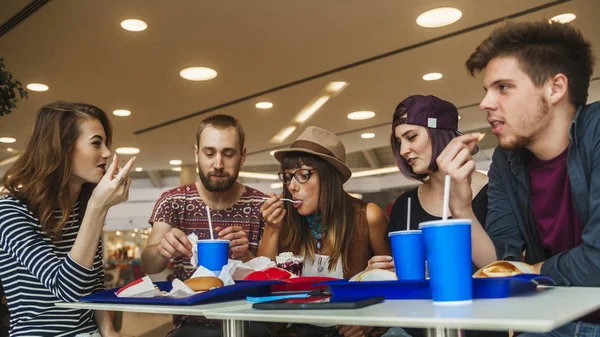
(122, 181)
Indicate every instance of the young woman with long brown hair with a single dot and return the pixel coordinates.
(336, 233)
(59, 192)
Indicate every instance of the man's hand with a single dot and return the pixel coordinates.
(175, 244)
(238, 241)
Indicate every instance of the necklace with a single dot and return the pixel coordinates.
(318, 231)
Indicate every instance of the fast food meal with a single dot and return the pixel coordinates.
(374, 275)
(504, 269)
(204, 283)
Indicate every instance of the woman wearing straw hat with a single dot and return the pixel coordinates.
(336, 233)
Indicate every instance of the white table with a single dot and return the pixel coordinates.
(541, 311)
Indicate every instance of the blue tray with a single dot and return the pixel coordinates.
(233, 292)
(418, 290)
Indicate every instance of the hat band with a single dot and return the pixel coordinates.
(314, 147)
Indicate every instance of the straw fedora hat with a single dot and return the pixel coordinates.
(321, 143)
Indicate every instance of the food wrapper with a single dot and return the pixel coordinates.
(139, 288)
(194, 239)
(504, 269)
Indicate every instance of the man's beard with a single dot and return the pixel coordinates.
(217, 186)
(535, 121)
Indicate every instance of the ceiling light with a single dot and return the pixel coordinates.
(563, 18)
(118, 233)
(264, 105)
(283, 134)
(7, 140)
(459, 117)
(176, 169)
(175, 162)
(335, 86)
(374, 172)
(275, 186)
(356, 195)
(139, 169)
(432, 76)
(121, 113)
(134, 25)
(439, 17)
(272, 153)
(10, 149)
(256, 175)
(360, 115)
(311, 109)
(37, 87)
(198, 74)
(127, 150)
(367, 135)
(483, 171)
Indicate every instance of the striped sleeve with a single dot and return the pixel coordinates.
(99, 266)
(66, 279)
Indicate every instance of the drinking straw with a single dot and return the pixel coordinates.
(209, 223)
(446, 197)
(408, 215)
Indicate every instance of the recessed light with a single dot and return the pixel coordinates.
(432, 76)
(198, 73)
(176, 169)
(264, 105)
(272, 153)
(439, 17)
(134, 25)
(127, 150)
(367, 135)
(175, 162)
(336, 86)
(37, 87)
(7, 140)
(563, 18)
(360, 115)
(10, 149)
(459, 117)
(139, 169)
(121, 112)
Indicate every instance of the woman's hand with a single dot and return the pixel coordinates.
(273, 212)
(381, 262)
(113, 188)
(354, 330)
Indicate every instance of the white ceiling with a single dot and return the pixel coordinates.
(79, 49)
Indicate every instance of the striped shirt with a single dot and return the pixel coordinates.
(38, 272)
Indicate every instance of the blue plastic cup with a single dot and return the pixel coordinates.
(408, 254)
(213, 254)
(448, 252)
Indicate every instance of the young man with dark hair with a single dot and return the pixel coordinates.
(544, 180)
(236, 216)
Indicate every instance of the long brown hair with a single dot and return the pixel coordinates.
(40, 176)
(336, 207)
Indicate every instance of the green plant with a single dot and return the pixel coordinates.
(9, 88)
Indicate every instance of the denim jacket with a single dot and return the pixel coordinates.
(510, 222)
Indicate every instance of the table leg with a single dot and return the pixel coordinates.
(234, 328)
(441, 332)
